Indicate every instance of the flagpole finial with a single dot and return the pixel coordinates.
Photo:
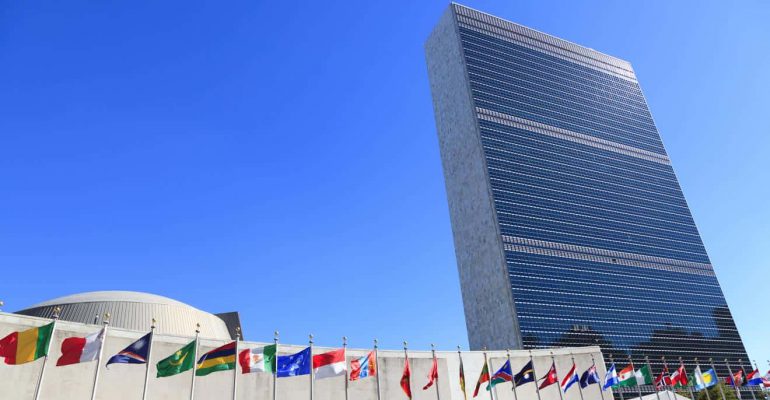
(237, 333)
(310, 337)
(56, 312)
(275, 335)
(152, 326)
(405, 343)
(344, 341)
(106, 319)
(198, 328)
(432, 347)
(458, 348)
(375, 343)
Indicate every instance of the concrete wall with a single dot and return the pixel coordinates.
(124, 382)
(490, 313)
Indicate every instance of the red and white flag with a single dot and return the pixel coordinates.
(679, 377)
(550, 378)
(406, 379)
(76, 350)
(432, 375)
(331, 364)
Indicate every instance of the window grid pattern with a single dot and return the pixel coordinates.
(600, 243)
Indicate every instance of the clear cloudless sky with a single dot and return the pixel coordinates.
(280, 158)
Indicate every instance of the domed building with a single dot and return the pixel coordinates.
(135, 311)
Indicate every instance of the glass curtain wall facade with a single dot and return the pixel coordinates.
(597, 243)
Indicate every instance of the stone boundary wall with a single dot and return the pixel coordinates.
(124, 382)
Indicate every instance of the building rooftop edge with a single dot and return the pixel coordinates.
(627, 64)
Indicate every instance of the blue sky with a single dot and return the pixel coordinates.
(280, 158)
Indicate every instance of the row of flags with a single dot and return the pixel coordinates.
(32, 344)
(698, 380)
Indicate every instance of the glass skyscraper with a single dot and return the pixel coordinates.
(570, 227)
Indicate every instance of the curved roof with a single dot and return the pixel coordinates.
(135, 311)
(111, 295)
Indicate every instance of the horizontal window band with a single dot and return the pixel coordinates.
(521, 123)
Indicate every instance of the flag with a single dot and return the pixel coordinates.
(550, 377)
(81, 349)
(570, 379)
(330, 364)
(462, 379)
(258, 359)
(611, 379)
(766, 380)
(135, 353)
(663, 379)
(432, 374)
(504, 374)
(23, 347)
(294, 364)
(679, 377)
(483, 377)
(406, 379)
(753, 378)
(525, 375)
(743, 381)
(181, 361)
(736, 379)
(704, 380)
(627, 376)
(643, 376)
(220, 359)
(363, 367)
(589, 377)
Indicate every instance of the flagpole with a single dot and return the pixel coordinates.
(558, 381)
(620, 392)
(721, 390)
(345, 356)
(406, 360)
(312, 370)
(235, 365)
(275, 366)
(599, 384)
(462, 373)
(433, 351)
(667, 374)
(633, 368)
(486, 362)
(513, 380)
(56, 312)
(103, 333)
(697, 366)
(745, 382)
(534, 375)
(762, 385)
(195, 361)
(377, 367)
(732, 378)
(649, 369)
(580, 384)
(689, 387)
(149, 357)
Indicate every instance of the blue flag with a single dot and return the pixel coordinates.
(611, 379)
(135, 353)
(295, 364)
(526, 375)
(589, 377)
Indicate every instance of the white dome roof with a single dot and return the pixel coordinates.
(134, 310)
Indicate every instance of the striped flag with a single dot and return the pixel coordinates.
(26, 346)
(76, 350)
(220, 359)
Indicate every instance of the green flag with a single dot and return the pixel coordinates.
(181, 361)
(643, 376)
